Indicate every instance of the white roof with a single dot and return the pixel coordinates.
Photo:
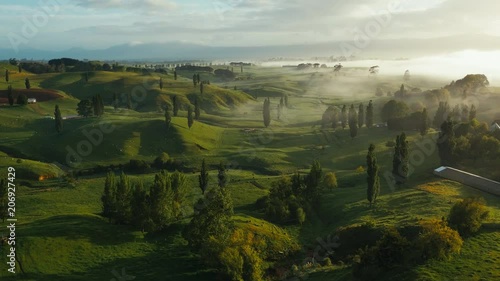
(442, 168)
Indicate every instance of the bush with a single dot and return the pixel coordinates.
(22, 99)
(137, 166)
(328, 261)
(161, 161)
(467, 215)
(360, 169)
(330, 180)
(354, 237)
(390, 143)
(301, 216)
(437, 240)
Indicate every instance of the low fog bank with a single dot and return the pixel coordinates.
(450, 66)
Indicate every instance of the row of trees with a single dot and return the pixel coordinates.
(458, 142)
(355, 119)
(22, 99)
(192, 113)
(400, 167)
(460, 113)
(153, 210)
(291, 198)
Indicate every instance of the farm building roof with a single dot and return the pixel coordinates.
(469, 179)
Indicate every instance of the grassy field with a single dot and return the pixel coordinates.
(62, 237)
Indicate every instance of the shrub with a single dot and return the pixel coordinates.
(137, 165)
(360, 169)
(301, 216)
(437, 240)
(467, 215)
(161, 161)
(354, 237)
(22, 99)
(330, 180)
(328, 261)
(390, 143)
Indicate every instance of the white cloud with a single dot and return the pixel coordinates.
(144, 5)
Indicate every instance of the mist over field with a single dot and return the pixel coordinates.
(446, 66)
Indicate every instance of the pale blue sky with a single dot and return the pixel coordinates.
(95, 24)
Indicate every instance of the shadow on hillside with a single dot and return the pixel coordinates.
(168, 262)
(93, 228)
(490, 227)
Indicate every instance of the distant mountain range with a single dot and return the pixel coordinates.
(172, 51)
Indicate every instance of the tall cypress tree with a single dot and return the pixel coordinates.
(203, 177)
(160, 201)
(472, 112)
(361, 115)
(353, 121)
(123, 199)
(7, 75)
(196, 109)
(108, 197)
(129, 101)
(446, 143)
(369, 115)
(343, 117)
(441, 114)
(424, 123)
(190, 117)
(175, 104)
(139, 207)
(94, 105)
(115, 100)
(221, 175)
(373, 180)
(334, 118)
(400, 160)
(168, 118)
(195, 80)
(58, 119)
(175, 75)
(212, 218)
(9, 95)
(161, 83)
(267, 112)
(27, 83)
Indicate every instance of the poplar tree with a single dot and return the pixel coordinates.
(203, 177)
(196, 109)
(58, 119)
(353, 121)
(400, 160)
(190, 117)
(369, 115)
(361, 115)
(221, 176)
(343, 117)
(373, 180)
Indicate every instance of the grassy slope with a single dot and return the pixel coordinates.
(62, 238)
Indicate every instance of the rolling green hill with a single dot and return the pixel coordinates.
(63, 237)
